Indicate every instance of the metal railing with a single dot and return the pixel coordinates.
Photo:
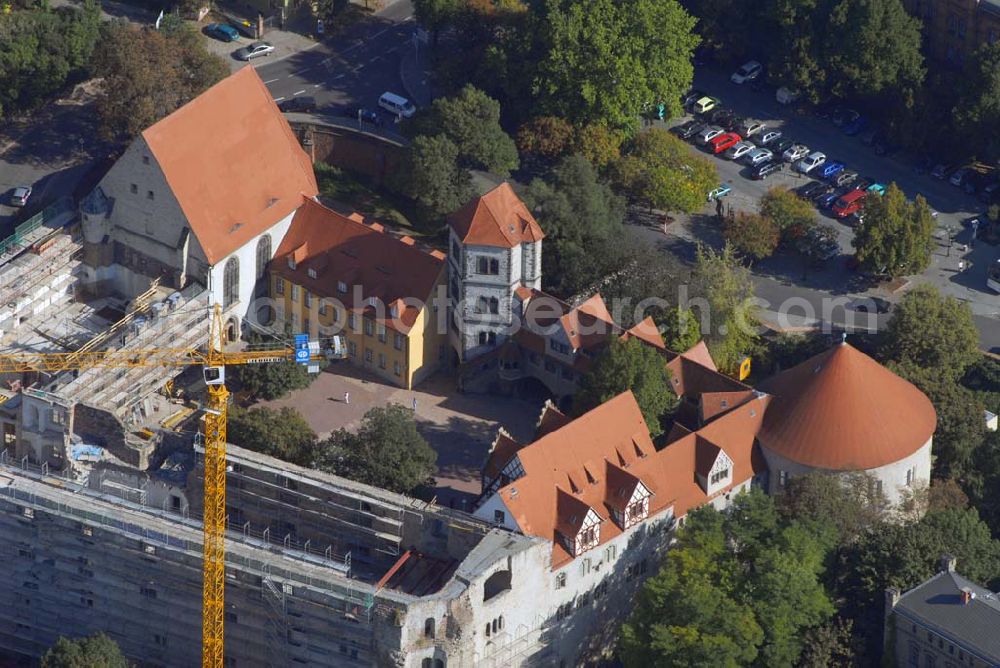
(15, 241)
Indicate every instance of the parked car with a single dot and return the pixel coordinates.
(943, 170)
(724, 142)
(764, 170)
(750, 128)
(254, 50)
(786, 95)
(721, 191)
(748, 72)
(843, 117)
(809, 190)
(795, 153)
(811, 162)
(20, 196)
(739, 150)
(849, 203)
(962, 176)
(871, 305)
(705, 105)
(826, 200)
(876, 189)
(864, 182)
(821, 194)
(779, 147)
(767, 137)
(721, 115)
(831, 168)
(758, 156)
(222, 32)
(303, 104)
(691, 97)
(366, 115)
(844, 178)
(709, 133)
(688, 129)
(855, 127)
(735, 124)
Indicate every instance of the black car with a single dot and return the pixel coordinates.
(693, 96)
(305, 105)
(871, 305)
(864, 182)
(764, 170)
(721, 116)
(811, 189)
(844, 178)
(783, 144)
(735, 123)
(366, 115)
(687, 129)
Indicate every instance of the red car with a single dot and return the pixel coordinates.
(724, 142)
(849, 203)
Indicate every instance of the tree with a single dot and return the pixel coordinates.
(929, 330)
(845, 503)
(281, 433)
(578, 212)
(96, 651)
(747, 564)
(44, 50)
(471, 120)
(147, 75)
(830, 645)
(436, 14)
(387, 451)
(661, 170)
(545, 137)
(599, 144)
(430, 175)
(896, 235)
(273, 380)
(604, 61)
(978, 105)
(732, 313)
(629, 365)
(753, 235)
(793, 215)
(681, 329)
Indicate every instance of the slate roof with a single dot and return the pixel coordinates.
(937, 604)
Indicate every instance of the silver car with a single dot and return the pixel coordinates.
(757, 156)
(254, 50)
(738, 151)
(768, 137)
(20, 196)
(795, 153)
(709, 133)
(750, 128)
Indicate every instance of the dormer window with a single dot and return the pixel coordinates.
(312, 273)
(291, 262)
(636, 511)
(341, 287)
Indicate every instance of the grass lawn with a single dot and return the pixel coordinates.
(357, 193)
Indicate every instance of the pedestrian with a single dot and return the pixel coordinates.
(961, 265)
(347, 397)
(414, 404)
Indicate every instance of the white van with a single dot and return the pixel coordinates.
(397, 105)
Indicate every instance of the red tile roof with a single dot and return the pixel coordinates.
(717, 403)
(690, 377)
(646, 331)
(498, 218)
(842, 410)
(338, 248)
(585, 461)
(232, 162)
(503, 449)
(550, 419)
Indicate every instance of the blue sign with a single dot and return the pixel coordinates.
(302, 349)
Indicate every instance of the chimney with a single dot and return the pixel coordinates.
(891, 599)
(967, 595)
(947, 563)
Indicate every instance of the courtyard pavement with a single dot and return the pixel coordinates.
(460, 427)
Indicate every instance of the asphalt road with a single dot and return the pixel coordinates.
(808, 293)
(353, 69)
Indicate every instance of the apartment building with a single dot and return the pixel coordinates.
(955, 29)
(336, 274)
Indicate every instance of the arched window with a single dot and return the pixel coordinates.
(263, 254)
(429, 627)
(231, 282)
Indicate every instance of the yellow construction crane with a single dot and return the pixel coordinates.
(213, 360)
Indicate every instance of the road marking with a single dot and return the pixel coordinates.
(316, 85)
(278, 99)
(298, 92)
(295, 74)
(270, 81)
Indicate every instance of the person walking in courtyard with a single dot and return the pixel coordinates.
(347, 397)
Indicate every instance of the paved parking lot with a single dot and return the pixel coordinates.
(782, 275)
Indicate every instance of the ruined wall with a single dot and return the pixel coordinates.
(99, 427)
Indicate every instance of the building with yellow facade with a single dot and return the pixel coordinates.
(336, 274)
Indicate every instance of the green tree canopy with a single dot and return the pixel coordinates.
(471, 120)
(273, 380)
(44, 50)
(629, 365)
(895, 237)
(387, 451)
(431, 176)
(978, 109)
(661, 170)
(738, 588)
(578, 212)
(681, 329)
(600, 61)
(751, 234)
(732, 323)
(545, 137)
(281, 433)
(793, 215)
(148, 74)
(97, 651)
(929, 330)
